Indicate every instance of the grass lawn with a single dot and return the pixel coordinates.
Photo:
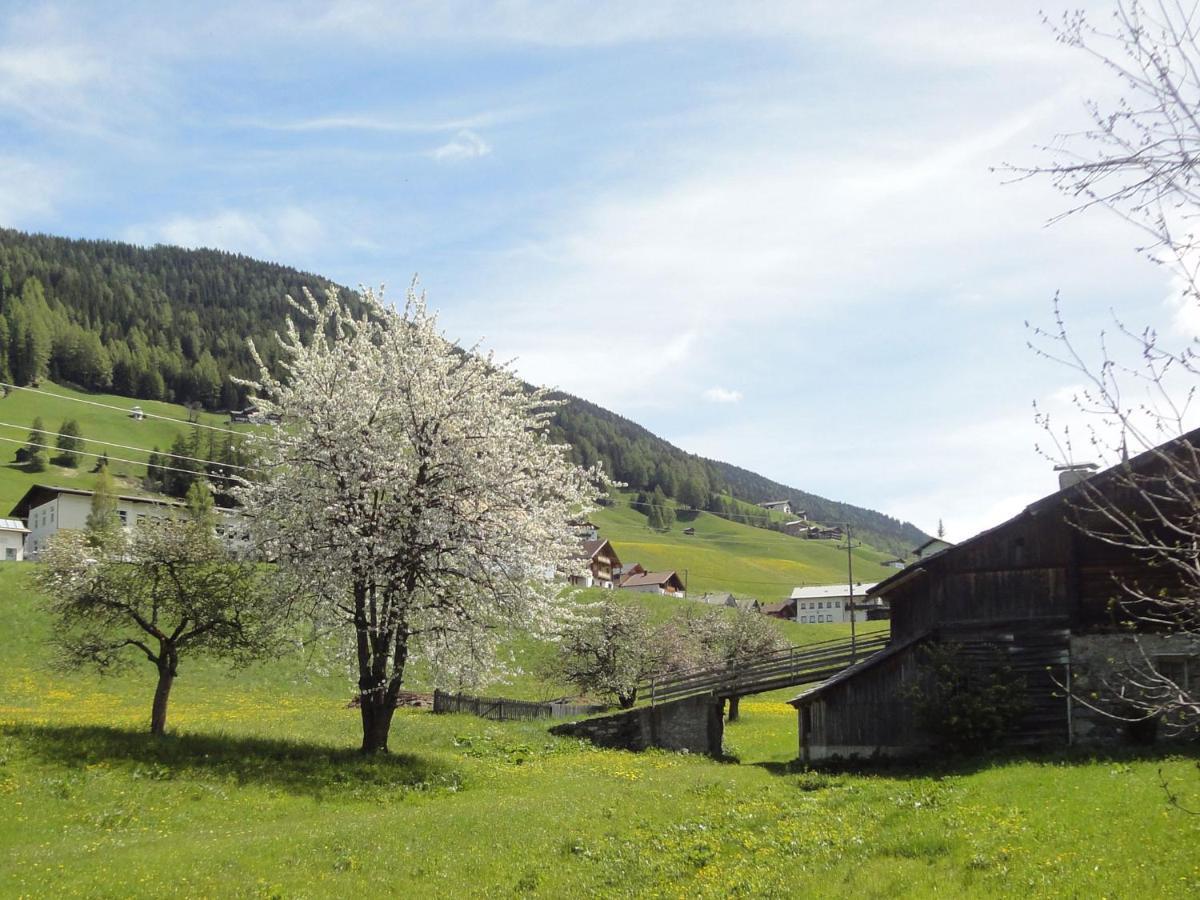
(731, 556)
(257, 793)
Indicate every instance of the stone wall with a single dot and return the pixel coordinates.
(693, 724)
(1097, 664)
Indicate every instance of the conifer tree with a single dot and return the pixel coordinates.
(69, 443)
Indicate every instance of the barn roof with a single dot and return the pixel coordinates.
(650, 578)
(892, 649)
(1098, 481)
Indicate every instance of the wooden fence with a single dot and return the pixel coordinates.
(768, 672)
(501, 709)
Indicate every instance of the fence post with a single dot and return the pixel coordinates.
(652, 690)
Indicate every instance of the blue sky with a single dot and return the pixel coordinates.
(766, 231)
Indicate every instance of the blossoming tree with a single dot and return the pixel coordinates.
(412, 492)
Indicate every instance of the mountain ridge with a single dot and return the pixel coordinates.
(169, 323)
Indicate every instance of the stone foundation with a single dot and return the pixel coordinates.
(693, 724)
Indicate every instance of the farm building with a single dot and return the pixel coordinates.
(784, 609)
(783, 506)
(1036, 592)
(654, 583)
(602, 564)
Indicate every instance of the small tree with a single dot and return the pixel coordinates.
(34, 453)
(165, 591)
(69, 444)
(413, 492)
(731, 638)
(612, 648)
(966, 705)
(102, 522)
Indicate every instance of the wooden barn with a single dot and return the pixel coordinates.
(1038, 592)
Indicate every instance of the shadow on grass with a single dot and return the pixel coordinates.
(943, 766)
(293, 766)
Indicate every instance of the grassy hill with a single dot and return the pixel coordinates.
(730, 556)
(20, 408)
(257, 793)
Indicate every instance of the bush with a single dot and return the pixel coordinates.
(966, 704)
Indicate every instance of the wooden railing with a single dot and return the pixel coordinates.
(769, 672)
(504, 709)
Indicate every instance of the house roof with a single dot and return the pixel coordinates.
(589, 549)
(823, 591)
(42, 493)
(775, 607)
(12, 525)
(775, 503)
(846, 674)
(650, 578)
(1097, 481)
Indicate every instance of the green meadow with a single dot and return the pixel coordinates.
(257, 792)
(57, 404)
(731, 556)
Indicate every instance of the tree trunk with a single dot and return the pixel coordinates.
(158, 714)
(733, 708)
(376, 722)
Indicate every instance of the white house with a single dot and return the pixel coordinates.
(831, 603)
(783, 506)
(12, 539)
(48, 510)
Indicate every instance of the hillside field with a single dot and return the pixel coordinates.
(730, 556)
(258, 793)
(21, 407)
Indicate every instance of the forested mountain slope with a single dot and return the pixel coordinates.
(165, 323)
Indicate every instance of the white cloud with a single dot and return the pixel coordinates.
(28, 190)
(287, 235)
(465, 145)
(392, 122)
(722, 395)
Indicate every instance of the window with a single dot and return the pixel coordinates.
(10, 552)
(1183, 670)
(123, 516)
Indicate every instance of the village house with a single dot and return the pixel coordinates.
(602, 564)
(783, 506)
(831, 603)
(784, 609)
(1038, 591)
(12, 539)
(654, 583)
(48, 510)
(930, 547)
(819, 533)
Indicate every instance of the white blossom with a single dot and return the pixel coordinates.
(412, 492)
